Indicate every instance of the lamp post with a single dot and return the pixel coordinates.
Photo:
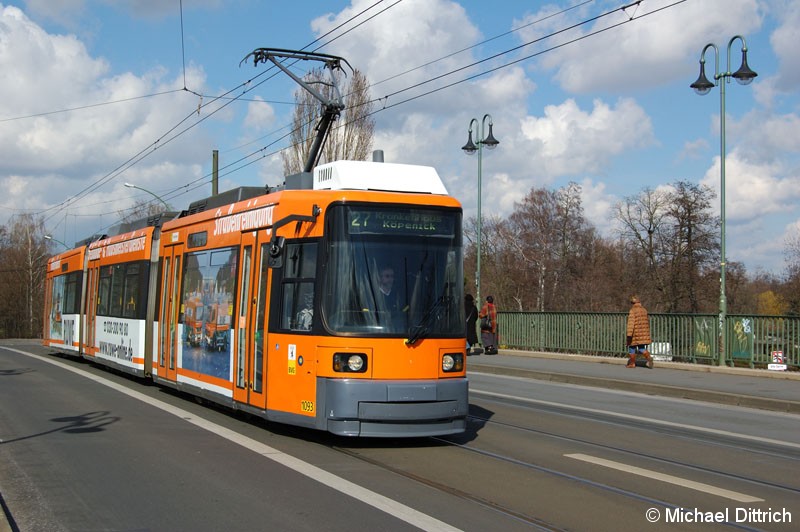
(470, 148)
(703, 86)
(48, 237)
(131, 185)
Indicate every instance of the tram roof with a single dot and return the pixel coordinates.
(364, 175)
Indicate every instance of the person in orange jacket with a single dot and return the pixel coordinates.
(489, 327)
(638, 333)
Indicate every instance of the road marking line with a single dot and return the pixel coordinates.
(638, 418)
(678, 481)
(376, 500)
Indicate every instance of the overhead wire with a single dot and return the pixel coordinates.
(261, 153)
(161, 142)
(89, 106)
(485, 41)
(204, 179)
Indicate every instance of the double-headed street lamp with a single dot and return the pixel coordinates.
(156, 196)
(703, 86)
(490, 142)
(48, 237)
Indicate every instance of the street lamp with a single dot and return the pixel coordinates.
(490, 142)
(131, 185)
(703, 86)
(48, 237)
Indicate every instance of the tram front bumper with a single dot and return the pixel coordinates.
(355, 407)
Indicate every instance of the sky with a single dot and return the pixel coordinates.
(97, 93)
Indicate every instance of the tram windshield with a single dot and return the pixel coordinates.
(394, 270)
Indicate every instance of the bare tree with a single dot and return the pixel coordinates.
(550, 245)
(141, 209)
(693, 245)
(23, 256)
(350, 139)
(675, 232)
(792, 288)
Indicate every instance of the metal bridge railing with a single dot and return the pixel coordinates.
(754, 341)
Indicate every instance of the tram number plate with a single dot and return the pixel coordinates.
(307, 406)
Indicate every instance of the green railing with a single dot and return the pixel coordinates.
(754, 341)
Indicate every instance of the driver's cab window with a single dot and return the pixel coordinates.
(297, 286)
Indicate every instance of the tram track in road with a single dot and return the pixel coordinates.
(380, 454)
(535, 522)
(644, 455)
(727, 442)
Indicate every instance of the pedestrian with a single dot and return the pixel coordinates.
(638, 333)
(471, 314)
(488, 316)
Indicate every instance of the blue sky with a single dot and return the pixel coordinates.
(612, 111)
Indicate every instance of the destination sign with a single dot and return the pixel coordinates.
(401, 222)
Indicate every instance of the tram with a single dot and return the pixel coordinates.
(333, 302)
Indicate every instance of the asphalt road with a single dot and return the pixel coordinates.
(82, 448)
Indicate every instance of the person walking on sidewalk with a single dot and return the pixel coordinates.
(638, 333)
(488, 316)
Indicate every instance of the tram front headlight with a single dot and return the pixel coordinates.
(350, 362)
(452, 362)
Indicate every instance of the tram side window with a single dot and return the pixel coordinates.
(72, 286)
(121, 291)
(130, 293)
(297, 286)
(209, 284)
(104, 291)
(117, 282)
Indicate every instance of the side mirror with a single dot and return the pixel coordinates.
(276, 252)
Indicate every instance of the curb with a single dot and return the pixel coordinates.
(684, 366)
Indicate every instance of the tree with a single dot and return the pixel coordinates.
(550, 246)
(693, 243)
(792, 285)
(642, 222)
(350, 139)
(23, 259)
(674, 233)
(141, 209)
(771, 304)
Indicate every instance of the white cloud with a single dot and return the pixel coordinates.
(260, 115)
(61, 136)
(784, 43)
(765, 136)
(693, 148)
(648, 51)
(598, 206)
(409, 35)
(568, 140)
(753, 190)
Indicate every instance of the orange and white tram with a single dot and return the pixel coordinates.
(334, 302)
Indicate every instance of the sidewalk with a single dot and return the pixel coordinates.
(754, 388)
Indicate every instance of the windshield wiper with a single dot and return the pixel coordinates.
(421, 329)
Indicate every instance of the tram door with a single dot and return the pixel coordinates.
(91, 311)
(169, 331)
(249, 375)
